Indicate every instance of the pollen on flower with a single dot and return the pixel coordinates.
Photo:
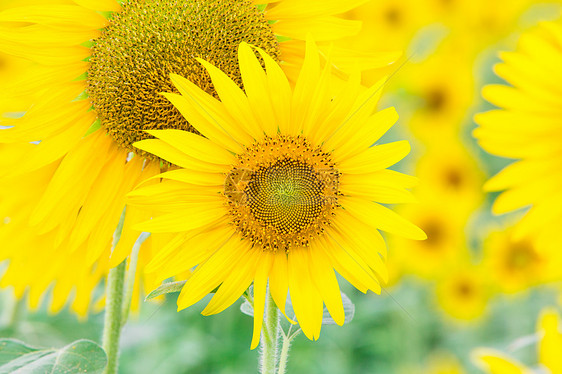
(131, 61)
(282, 192)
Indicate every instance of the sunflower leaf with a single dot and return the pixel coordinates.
(81, 356)
(169, 287)
(247, 308)
(348, 308)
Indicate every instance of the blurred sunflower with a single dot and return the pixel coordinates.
(464, 293)
(515, 265)
(450, 176)
(430, 258)
(526, 127)
(483, 22)
(441, 88)
(283, 188)
(549, 347)
(394, 22)
(93, 87)
(437, 362)
(443, 363)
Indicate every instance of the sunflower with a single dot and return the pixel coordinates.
(464, 293)
(442, 362)
(437, 362)
(526, 127)
(550, 334)
(441, 90)
(444, 246)
(93, 86)
(394, 22)
(516, 265)
(450, 176)
(283, 188)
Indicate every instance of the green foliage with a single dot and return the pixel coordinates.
(165, 288)
(81, 356)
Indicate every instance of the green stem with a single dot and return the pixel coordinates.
(113, 315)
(17, 311)
(284, 356)
(270, 334)
(131, 275)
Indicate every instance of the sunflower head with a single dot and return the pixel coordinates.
(463, 294)
(131, 61)
(301, 195)
(282, 192)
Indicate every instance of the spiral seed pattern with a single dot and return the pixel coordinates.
(282, 193)
(132, 60)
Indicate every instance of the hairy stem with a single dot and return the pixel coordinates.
(270, 334)
(114, 315)
(284, 356)
(131, 276)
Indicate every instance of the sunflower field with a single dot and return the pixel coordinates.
(280, 186)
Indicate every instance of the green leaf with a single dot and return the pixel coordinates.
(348, 308)
(81, 356)
(169, 287)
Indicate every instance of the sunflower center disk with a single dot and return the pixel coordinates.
(282, 193)
(148, 40)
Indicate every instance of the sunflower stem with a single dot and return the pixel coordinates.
(114, 315)
(131, 276)
(17, 311)
(284, 356)
(269, 338)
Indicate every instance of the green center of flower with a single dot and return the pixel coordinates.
(282, 193)
(287, 195)
(148, 40)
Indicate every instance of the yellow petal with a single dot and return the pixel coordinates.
(312, 8)
(327, 284)
(321, 28)
(374, 158)
(495, 362)
(195, 146)
(260, 285)
(235, 283)
(381, 218)
(306, 300)
(210, 274)
(196, 216)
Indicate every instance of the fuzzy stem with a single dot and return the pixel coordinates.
(270, 334)
(284, 356)
(17, 311)
(114, 315)
(131, 276)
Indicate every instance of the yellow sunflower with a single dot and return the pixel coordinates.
(464, 293)
(443, 363)
(441, 90)
(516, 265)
(445, 243)
(283, 188)
(438, 362)
(388, 25)
(549, 347)
(450, 176)
(526, 127)
(93, 86)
